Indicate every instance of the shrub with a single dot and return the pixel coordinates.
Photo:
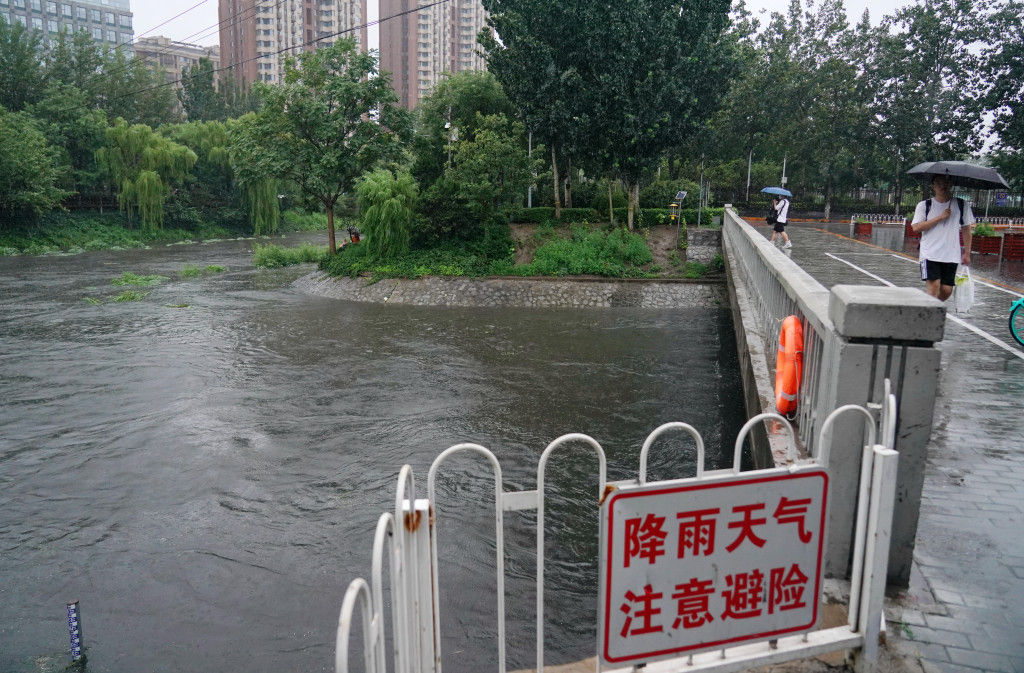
(129, 278)
(275, 256)
(984, 229)
(545, 214)
(589, 251)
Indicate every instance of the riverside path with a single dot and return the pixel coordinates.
(964, 609)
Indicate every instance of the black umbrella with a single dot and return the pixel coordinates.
(961, 173)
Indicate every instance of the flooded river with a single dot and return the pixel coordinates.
(203, 468)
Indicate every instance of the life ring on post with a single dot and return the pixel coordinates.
(789, 365)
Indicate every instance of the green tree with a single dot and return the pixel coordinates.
(332, 119)
(662, 73)
(21, 71)
(492, 170)
(1003, 67)
(30, 167)
(449, 113)
(386, 200)
(925, 100)
(143, 166)
(75, 129)
(198, 95)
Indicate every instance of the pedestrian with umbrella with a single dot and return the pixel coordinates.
(942, 219)
(779, 213)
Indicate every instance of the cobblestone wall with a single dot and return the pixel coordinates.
(527, 292)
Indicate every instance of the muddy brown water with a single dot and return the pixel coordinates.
(206, 479)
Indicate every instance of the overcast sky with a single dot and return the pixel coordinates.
(197, 22)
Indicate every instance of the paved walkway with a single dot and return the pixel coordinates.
(964, 610)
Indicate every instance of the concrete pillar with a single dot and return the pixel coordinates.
(880, 333)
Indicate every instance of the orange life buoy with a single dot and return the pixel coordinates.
(789, 365)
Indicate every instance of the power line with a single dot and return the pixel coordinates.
(298, 46)
(179, 14)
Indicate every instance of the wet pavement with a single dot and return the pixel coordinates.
(964, 609)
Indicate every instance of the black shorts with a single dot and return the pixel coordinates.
(780, 227)
(944, 272)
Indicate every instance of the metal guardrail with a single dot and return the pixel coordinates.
(416, 578)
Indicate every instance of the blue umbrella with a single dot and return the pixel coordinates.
(779, 191)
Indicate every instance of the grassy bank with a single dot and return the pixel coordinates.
(577, 251)
(74, 232)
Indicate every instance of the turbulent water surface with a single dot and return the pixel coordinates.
(206, 478)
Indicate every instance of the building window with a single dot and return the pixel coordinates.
(65, 9)
(37, 5)
(125, 20)
(20, 19)
(51, 8)
(109, 16)
(37, 23)
(96, 15)
(112, 36)
(97, 33)
(19, 4)
(80, 13)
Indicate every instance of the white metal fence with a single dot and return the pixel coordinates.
(406, 540)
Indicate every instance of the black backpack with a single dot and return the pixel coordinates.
(959, 203)
(773, 215)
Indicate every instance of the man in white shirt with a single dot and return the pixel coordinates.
(781, 215)
(940, 221)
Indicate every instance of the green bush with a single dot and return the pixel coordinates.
(590, 252)
(129, 278)
(660, 193)
(295, 220)
(544, 214)
(275, 256)
(984, 229)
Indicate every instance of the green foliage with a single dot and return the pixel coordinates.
(29, 167)
(143, 165)
(293, 220)
(214, 268)
(264, 206)
(198, 95)
(452, 111)
(129, 278)
(93, 301)
(131, 295)
(541, 215)
(984, 229)
(275, 256)
(490, 253)
(332, 119)
(660, 193)
(190, 271)
(21, 73)
(386, 200)
(590, 252)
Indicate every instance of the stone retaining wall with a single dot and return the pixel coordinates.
(703, 244)
(522, 292)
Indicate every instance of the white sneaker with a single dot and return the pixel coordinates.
(789, 244)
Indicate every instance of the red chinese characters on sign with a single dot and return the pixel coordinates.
(645, 539)
(738, 563)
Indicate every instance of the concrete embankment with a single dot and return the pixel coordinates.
(521, 292)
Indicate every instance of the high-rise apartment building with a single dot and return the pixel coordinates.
(173, 56)
(418, 47)
(109, 22)
(257, 35)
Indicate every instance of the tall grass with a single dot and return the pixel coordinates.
(275, 256)
(617, 253)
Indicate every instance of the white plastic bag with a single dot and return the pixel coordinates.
(963, 295)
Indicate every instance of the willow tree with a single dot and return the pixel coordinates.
(387, 200)
(143, 166)
(333, 118)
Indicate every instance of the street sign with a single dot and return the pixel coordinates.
(691, 565)
(1002, 199)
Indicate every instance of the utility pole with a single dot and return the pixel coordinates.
(700, 194)
(529, 154)
(784, 157)
(750, 158)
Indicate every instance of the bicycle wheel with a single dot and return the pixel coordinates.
(1017, 322)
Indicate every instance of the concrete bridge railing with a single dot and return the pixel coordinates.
(855, 338)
